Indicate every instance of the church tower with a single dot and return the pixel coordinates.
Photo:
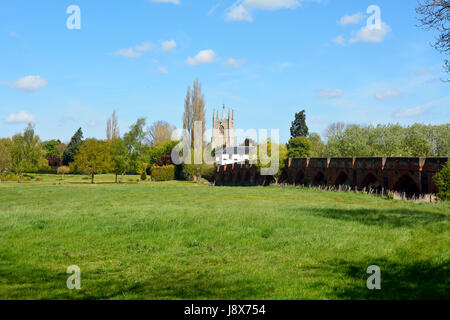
(223, 130)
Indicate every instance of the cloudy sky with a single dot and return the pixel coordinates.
(267, 59)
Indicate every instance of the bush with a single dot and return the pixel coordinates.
(164, 173)
(442, 181)
(63, 170)
(9, 177)
(144, 176)
(15, 177)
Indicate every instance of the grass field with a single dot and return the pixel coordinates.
(177, 240)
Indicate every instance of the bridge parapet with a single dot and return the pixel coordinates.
(410, 175)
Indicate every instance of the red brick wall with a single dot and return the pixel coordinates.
(412, 175)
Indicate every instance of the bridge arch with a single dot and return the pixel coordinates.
(238, 177)
(300, 178)
(370, 181)
(228, 177)
(342, 179)
(407, 185)
(246, 176)
(319, 179)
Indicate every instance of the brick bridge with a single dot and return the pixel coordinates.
(409, 175)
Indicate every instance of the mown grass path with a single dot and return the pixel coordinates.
(177, 240)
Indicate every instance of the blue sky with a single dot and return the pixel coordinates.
(267, 59)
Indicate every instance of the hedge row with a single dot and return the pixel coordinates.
(164, 173)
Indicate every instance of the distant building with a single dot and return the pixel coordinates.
(230, 155)
(223, 130)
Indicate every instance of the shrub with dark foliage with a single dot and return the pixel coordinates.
(54, 161)
(165, 160)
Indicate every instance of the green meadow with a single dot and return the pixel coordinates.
(179, 240)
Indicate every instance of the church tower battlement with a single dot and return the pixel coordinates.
(223, 129)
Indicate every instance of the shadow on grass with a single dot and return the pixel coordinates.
(24, 281)
(390, 217)
(418, 281)
(186, 286)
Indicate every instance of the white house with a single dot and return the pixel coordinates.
(230, 155)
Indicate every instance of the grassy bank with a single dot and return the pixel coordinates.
(177, 240)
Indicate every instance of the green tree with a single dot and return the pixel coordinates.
(417, 144)
(72, 147)
(442, 181)
(390, 140)
(198, 170)
(317, 145)
(93, 157)
(387, 140)
(299, 127)
(299, 147)
(5, 155)
(265, 159)
(52, 148)
(442, 140)
(156, 152)
(26, 152)
(137, 150)
(119, 157)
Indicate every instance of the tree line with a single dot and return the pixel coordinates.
(352, 140)
(135, 152)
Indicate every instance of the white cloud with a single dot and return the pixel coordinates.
(144, 47)
(162, 70)
(271, 4)
(30, 83)
(339, 40)
(238, 13)
(409, 113)
(388, 94)
(352, 19)
(134, 52)
(91, 123)
(21, 117)
(241, 10)
(168, 46)
(367, 34)
(329, 94)
(203, 57)
(167, 1)
(128, 53)
(234, 63)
